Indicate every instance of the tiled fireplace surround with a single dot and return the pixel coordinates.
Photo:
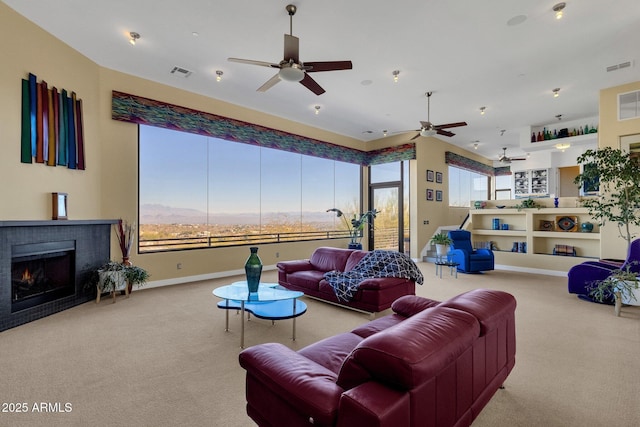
(92, 249)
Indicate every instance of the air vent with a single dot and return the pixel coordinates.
(619, 66)
(179, 71)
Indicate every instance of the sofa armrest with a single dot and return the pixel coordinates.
(373, 405)
(306, 385)
(293, 266)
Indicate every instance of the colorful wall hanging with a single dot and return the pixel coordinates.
(52, 126)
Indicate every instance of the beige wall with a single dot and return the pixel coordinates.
(610, 132)
(108, 188)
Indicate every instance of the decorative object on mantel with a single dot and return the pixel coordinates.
(253, 270)
(586, 227)
(52, 126)
(59, 206)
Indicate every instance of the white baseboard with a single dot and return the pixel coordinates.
(197, 278)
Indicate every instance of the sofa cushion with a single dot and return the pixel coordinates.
(354, 259)
(306, 279)
(379, 324)
(409, 305)
(331, 352)
(329, 259)
(412, 352)
(488, 306)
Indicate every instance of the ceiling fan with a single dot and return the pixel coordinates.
(291, 68)
(429, 129)
(504, 159)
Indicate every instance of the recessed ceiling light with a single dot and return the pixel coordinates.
(558, 8)
(195, 34)
(516, 20)
(366, 82)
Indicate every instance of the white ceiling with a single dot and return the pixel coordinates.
(464, 51)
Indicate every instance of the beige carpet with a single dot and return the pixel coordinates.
(162, 358)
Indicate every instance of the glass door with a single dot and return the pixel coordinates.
(388, 227)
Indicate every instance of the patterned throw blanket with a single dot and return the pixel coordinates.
(378, 263)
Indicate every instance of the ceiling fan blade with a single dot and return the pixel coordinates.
(311, 84)
(291, 48)
(269, 84)
(313, 67)
(417, 135)
(252, 62)
(444, 132)
(450, 125)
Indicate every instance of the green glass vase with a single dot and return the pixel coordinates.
(253, 269)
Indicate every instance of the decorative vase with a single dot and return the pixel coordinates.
(586, 227)
(253, 269)
(125, 261)
(555, 202)
(477, 204)
(441, 250)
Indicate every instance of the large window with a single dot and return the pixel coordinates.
(465, 186)
(197, 191)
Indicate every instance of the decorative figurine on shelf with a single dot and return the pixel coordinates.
(555, 202)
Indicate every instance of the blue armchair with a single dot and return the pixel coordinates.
(582, 276)
(468, 259)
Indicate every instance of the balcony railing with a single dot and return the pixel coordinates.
(199, 242)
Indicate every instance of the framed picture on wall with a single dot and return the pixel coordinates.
(439, 177)
(429, 175)
(438, 195)
(59, 206)
(429, 194)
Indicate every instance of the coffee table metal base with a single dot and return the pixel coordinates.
(273, 310)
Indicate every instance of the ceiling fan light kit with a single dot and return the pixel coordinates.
(291, 69)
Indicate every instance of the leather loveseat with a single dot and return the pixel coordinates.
(427, 364)
(373, 295)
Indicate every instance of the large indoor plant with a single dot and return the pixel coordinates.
(618, 174)
(623, 284)
(356, 225)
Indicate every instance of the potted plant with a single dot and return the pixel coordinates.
(442, 242)
(623, 284)
(617, 173)
(114, 276)
(356, 225)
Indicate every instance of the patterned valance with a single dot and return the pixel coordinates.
(136, 109)
(462, 162)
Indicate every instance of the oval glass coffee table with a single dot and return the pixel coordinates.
(271, 302)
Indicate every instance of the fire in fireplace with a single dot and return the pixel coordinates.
(41, 272)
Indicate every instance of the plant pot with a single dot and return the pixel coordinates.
(353, 245)
(107, 279)
(441, 250)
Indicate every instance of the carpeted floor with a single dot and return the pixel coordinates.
(162, 358)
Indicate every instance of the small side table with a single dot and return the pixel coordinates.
(453, 267)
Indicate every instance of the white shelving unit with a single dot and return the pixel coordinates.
(528, 226)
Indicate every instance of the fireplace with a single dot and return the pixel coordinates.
(46, 266)
(41, 272)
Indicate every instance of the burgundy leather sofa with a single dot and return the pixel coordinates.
(374, 294)
(427, 364)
